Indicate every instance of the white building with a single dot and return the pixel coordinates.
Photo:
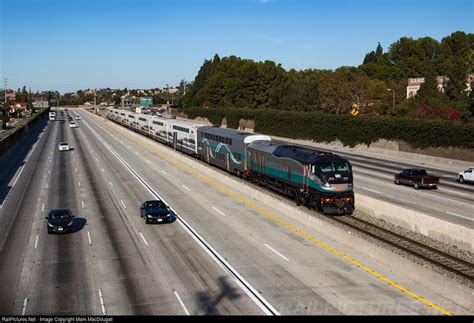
(414, 84)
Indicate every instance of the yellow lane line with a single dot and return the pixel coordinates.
(291, 227)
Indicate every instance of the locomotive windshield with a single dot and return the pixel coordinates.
(327, 167)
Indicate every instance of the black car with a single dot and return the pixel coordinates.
(60, 221)
(156, 211)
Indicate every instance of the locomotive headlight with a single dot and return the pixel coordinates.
(326, 184)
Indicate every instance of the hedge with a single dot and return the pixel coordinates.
(325, 127)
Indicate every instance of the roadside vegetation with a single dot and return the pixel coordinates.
(316, 104)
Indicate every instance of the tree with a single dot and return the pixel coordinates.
(378, 51)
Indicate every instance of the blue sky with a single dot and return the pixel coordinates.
(73, 44)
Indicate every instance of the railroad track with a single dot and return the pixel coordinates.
(436, 257)
(441, 259)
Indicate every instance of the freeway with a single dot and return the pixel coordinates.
(374, 176)
(224, 255)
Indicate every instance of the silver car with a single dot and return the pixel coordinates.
(63, 146)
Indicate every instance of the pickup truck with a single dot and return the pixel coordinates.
(467, 175)
(416, 178)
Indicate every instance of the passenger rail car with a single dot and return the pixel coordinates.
(315, 178)
(226, 148)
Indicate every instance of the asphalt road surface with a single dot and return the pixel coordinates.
(223, 256)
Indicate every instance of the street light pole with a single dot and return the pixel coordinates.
(393, 94)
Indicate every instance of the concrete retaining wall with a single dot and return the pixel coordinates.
(438, 283)
(438, 229)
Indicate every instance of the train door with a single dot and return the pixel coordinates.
(175, 139)
(306, 173)
(227, 159)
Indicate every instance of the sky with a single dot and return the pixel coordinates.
(68, 45)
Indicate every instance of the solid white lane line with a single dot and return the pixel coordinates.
(23, 310)
(124, 206)
(16, 179)
(46, 185)
(36, 242)
(75, 169)
(181, 302)
(279, 254)
(79, 183)
(144, 240)
(254, 295)
(459, 194)
(149, 162)
(111, 183)
(89, 237)
(31, 151)
(218, 211)
(459, 215)
(186, 188)
(102, 301)
(164, 172)
(42, 208)
(82, 202)
(371, 190)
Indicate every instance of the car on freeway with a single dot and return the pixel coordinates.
(466, 176)
(72, 124)
(78, 117)
(156, 211)
(60, 221)
(417, 178)
(63, 146)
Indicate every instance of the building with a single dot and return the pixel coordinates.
(11, 96)
(41, 104)
(414, 84)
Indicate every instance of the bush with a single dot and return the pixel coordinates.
(351, 131)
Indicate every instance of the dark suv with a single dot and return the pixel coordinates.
(60, 221)
(156, 211)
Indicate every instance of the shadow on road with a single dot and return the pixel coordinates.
(208, 304)
(13, 158)
(78, 224)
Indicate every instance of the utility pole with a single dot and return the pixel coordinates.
(393, 95)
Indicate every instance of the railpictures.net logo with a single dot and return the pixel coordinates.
(81, 319)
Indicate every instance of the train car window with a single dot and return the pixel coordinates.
(326, 167)
(341, 167)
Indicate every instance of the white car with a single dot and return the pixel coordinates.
(78, 117)
(467, 175)
(72, 124)
(63, 146)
